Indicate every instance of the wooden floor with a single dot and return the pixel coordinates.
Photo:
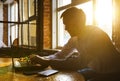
(7, 75)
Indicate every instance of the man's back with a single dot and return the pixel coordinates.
(97, 49)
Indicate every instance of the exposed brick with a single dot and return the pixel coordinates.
(5, 25)
(47, 24)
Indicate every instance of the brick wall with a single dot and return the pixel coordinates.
(5, 25)
(47, 24)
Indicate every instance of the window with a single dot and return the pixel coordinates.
(58, 30)
(103, 15)
(23, 16)
(95, 14)
(13, 18)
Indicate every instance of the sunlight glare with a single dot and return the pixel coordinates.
(88, 9)
(64, 78)
(103, 15)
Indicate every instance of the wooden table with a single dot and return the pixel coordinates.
(7, 74)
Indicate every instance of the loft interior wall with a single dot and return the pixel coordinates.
(47, 24)
(1, 24)
(5, 25)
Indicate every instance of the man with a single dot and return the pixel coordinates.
(96, 51)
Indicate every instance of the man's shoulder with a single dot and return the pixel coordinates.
(97, 32)
(94, 29)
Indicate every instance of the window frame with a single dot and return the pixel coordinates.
(37, 17)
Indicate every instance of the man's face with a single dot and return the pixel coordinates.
(70, 26)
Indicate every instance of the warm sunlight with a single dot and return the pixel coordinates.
(99, 11)
(103, 15)
(88, 9)
(63, 77)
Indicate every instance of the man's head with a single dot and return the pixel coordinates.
(73, 19)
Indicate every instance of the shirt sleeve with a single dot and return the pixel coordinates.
(66, 51)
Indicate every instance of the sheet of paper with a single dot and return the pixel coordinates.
(48, 72)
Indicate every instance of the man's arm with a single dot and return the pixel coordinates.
(66, 51)
(62, 55)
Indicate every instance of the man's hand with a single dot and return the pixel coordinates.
(36, 59)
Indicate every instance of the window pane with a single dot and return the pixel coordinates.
(13, 33)
(25, 34)
(63, 35)
(31, 7)
(88, 9)
(103, 15)
(14, 12)
(13, 16)
(20, 35)
(25, 10)
(21, 10)
(63, 2)
(32, 30)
